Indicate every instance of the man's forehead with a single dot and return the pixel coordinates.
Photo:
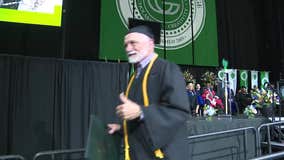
(136, 36)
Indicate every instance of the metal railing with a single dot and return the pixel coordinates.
(244, 129)
(272, 156)
(269, 142)
(53, 153)
(11, 157)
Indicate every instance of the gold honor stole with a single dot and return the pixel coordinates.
(158, 153)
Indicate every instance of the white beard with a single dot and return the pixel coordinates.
(137, 57)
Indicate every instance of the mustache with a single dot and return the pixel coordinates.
(131, 53)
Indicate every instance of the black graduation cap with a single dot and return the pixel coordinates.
(148, 28)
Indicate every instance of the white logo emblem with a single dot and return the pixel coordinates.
(178, 26)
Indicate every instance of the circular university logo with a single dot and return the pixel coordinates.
(178, 25)
(244, 76)
(264, 80)
(221, 74)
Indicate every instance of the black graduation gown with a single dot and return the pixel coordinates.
(192, 98)
(164, 122)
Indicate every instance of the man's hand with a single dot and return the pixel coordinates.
(128, 110)
(113, 127)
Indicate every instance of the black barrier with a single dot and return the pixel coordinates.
(54, 153)
(244, 129)
(269, 142)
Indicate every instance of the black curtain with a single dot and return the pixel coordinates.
(81, 26)
(250, 34)
(239, 32)
(46, 103)
(273, 20)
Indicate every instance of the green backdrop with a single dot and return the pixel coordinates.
(113, 26)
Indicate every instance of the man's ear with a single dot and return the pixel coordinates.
(152, 42)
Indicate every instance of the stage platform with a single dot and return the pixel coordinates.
(234, 146)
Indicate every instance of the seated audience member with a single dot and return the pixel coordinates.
(211, 98)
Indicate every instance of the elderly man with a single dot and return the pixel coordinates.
(154, 108)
